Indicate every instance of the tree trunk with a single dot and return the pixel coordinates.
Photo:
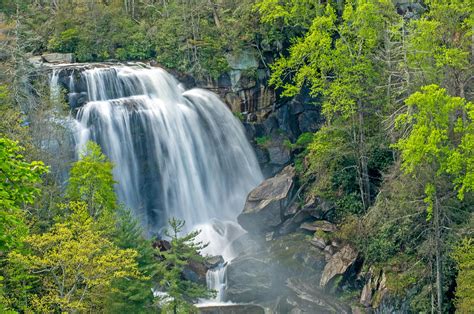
(439, 285)
(363, 168)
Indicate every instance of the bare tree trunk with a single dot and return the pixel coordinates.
(439, 285)
(363, 168)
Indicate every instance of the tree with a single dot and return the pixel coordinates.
(134, 295)
(18, 187)
(464, 256)
(91, 181)
(75, 264)
(184, 250)
(437, 138)
(337, 60)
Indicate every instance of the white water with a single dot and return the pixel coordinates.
(177, 153)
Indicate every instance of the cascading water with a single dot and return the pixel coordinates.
(177, 153)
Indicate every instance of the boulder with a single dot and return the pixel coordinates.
(58, 57)
(374, 289)
(266, 204)
(249, 279)
(310, 298)
(321, 225)
(338, 264)
(214, 261)
(231, 309)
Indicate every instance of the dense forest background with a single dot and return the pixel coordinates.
(395, 154)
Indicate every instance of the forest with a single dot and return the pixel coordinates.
(393, 153)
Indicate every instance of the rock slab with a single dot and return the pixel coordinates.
(266, 204)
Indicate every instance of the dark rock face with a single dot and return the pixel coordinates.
(232, 309)
(266, 203)
(249, 279)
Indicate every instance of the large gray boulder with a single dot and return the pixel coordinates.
(249, 279)
(266, 204)
(338, 264)
(58, 57)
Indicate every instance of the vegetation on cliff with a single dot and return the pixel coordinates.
(395, 156)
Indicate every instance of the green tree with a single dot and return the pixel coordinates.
(91, 181)
(464, 256)
(432, 153)
(18, 187)
(133, 295)
(75, 264)
(336, 59)
(184, 250)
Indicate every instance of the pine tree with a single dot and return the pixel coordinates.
(133, 296)
(185, 249)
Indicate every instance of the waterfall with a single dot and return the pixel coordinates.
(176, 153)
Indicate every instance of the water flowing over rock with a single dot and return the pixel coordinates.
(176, 153)
(266, 204)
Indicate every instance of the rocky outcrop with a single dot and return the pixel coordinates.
(266, 204)
(374, 289)
(58, 58)
(231, 309)
(249, 279)
(338, 264)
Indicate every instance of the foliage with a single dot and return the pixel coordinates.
(75, 263)
(133, 295)
(18, 187)
(184, 250)
(438, 139)
(464, 256)
(91, 181)
(262, 141)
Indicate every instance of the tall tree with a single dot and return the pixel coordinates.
(184, 250)
(91, 181)
(432, 151)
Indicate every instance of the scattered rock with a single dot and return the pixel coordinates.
(318, 242)
(266, 203)
(374, 289)
(338, 264)
(214, 261)
(58, 57)
(321, 225)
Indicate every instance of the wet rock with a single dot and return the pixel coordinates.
(58, 57)
(231, 309)
(338, 264)
(195, 272)
(77, 100)
(266, 203)
(214, 261)
(249, 279)
(310, 298)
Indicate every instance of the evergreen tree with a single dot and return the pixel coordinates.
(133, 295)
(184, 250)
